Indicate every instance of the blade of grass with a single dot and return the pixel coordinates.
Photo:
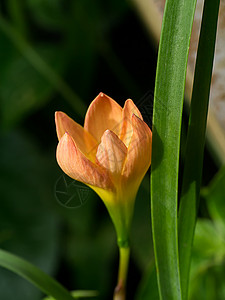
(196, 138)
(37, 277)
(42, 67)
(79, 294)
(167, 113)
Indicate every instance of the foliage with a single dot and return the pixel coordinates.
(169, 89)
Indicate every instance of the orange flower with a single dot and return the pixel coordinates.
(111, 154)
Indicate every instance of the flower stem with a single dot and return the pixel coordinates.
(120, 290)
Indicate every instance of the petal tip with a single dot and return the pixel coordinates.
(106, 134)
(130, 108)
(101, 94)
(108, 131)
(58, 113)
(66, 137)
(129, 101)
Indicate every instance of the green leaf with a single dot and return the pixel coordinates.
(28, 271)
(167, 113)
(79, 294)
(196, 138)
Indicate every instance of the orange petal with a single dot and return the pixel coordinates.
(139, 153)
(83, 139)
(127, 128)
(111, 153)
(77, 166)
(103, 113)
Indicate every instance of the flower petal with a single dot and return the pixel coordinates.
(103, 113)
(77, 166)
(127, 128)
(111, 153)
(139, 153)
(83, 139)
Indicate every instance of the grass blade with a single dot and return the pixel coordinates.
(196, 138)
(167, 113)
(37, 277)
(79, 294)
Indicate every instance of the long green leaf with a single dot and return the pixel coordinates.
(40, 279)
(196, 138)
(167, 112)
(79, 294)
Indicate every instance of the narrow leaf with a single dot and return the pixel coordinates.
(196, 138)
(79, 294)
(37, 277)
(167, 113)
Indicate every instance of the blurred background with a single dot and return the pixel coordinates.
(58, 55)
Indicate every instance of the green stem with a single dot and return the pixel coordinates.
(120, 290)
